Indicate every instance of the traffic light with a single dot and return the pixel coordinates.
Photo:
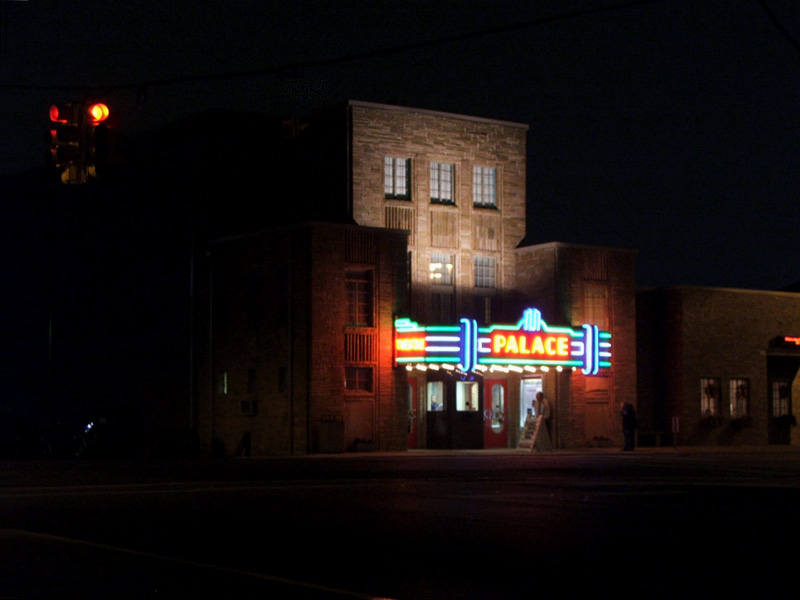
(98, 139)
(64, 135)
(79, 140)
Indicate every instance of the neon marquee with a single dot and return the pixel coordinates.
(529, 342)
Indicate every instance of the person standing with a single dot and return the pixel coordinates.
(629, 426)
(544, 411)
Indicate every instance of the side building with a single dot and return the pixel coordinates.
(294, 354)
(719, 366)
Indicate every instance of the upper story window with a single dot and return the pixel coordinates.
(485, 272)
(359, 298)
(484, 186)
(442, 269)
(397, 178)
(442, 176)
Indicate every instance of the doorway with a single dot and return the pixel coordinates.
(453, 412)
(495, 414)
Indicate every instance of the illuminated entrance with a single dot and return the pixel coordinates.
(467, 369)
(529, 343)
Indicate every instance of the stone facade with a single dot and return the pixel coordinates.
(458, 227)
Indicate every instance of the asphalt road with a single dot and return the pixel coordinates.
(416, 525)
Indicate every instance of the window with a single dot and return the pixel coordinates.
(436, 399)
(484, 186)
(467, 396)
(498, 407)
(442, 269)
(359, 298)
(781, 392)
(740, 393)
(442, 183)
(485, 272)
(709, 397)
(397, 178)
(358, 379)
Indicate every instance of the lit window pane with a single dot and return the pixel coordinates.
(396, 177)
(483, 186)
(442, 183)
(442, 269)
(485, 272)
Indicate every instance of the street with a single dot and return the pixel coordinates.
(413, 525)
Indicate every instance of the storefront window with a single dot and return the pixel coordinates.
(709, 397)
(740, 393)
(467, 396)
(435, 400)
(780, 397)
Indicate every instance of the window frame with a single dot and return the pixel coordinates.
(391, 178)
(441, 168)
(710, 397)
(442, 269)
(359, 379)
(739, 405)
(484, 193)
(359, 297)
(480, 271)
(781, 405)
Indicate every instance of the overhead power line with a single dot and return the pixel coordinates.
(310, 64)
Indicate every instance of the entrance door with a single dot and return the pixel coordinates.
(437, 407)
(527, 398)
(495, 414)
(413, 415)
(467, 419)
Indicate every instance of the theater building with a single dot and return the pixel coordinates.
(718, 366)
(471, 325)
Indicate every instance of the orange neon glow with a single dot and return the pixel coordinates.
(520, 344)
(406, 344)
(98, 112)
(792, 340)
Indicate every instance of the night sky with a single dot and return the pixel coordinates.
(671, 127)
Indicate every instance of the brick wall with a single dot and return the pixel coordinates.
(555, 278)
(279, 326)
(716, 333)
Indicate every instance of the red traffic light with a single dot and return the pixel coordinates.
(60, 113)
(97, 112)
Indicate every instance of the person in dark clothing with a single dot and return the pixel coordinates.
(629, 426)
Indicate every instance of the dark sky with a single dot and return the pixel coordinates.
(667, 126)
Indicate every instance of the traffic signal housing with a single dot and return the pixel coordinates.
(64, 135)
(98, 140)
(80, 140)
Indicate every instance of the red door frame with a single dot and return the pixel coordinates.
(492, 438)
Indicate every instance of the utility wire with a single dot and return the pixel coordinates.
(340, 59)
(783, 31)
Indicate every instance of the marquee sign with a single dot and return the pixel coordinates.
(530, 342)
